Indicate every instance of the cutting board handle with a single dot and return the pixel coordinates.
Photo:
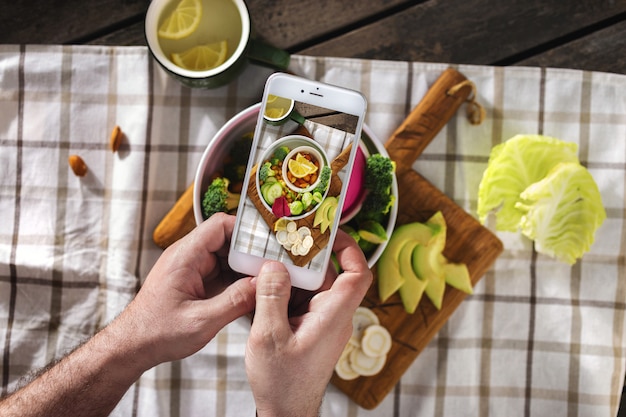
(421, 126)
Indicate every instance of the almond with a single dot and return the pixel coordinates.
(116, 138)
(78, 165)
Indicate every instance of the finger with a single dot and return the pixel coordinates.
(198, 248)
(352, 284)
(273, 289)
(235, 301)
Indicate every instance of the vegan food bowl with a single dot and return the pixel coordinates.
(232, 139)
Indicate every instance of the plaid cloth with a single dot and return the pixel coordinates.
(538, 337)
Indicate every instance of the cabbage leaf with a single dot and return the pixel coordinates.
(562, 211)
(513, 166)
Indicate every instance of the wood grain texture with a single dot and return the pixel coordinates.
(32, 21)
(177, 222)
(410, 139)
(599, 51)
(467, 241)
(467, 31)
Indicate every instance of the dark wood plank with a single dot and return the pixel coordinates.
(49, 22)
(600, 51)
(468, 31)
(288, 23)
(131, 35)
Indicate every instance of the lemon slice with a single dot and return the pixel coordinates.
(281, 224)
(274, 113)
(302, 160)
(202, 57)
(183, 21)
(300, 169)
(271, 98)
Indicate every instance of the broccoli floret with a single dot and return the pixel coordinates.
(379, 174)
(281, 153)
(217, 198)
(378, 178)
(324, 179)
(266, 171)
(376, 206)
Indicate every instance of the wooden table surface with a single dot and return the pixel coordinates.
(582, 34)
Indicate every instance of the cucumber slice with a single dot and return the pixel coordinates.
(271, 191)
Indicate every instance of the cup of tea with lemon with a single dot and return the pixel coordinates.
(278, 110)
(206, 43)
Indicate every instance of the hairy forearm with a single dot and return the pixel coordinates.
(89, 381)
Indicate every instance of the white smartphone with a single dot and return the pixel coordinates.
(302, 154)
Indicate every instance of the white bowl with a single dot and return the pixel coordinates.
(244, 122)
(296, 143)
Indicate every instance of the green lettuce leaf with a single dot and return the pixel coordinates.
(513, 166)
(562, 211)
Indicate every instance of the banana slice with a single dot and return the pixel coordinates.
(366, 365)
(365, 354)
(363, 317)
(376, 341)
(344, 369)
(281, 237)
(292, 227)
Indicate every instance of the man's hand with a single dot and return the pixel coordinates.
(190, 294)
(290, 357)
(187, 298)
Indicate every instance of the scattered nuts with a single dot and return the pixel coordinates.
(78, 165)
(116, 138)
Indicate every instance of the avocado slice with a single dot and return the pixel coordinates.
(413, 287)
(389, 277)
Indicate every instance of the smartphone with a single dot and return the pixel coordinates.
(303, 150)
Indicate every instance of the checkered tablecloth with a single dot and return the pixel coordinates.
(538, 337)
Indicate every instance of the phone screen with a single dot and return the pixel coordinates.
(301, 161)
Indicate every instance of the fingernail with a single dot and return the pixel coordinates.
(273, 267)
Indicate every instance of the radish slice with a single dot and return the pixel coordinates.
(366, 365)
(376, 341)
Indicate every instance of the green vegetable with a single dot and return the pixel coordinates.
(562, 211)
(307, 199)
(379, 171)
(317, 196)
(296, 207)
(266, 171)
(379, 174)
(217, 198)
(281, 153)
(513, 166)
(324, 179)
(271, 191)
(536, 184)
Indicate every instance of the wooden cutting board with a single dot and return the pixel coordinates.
(467, 241)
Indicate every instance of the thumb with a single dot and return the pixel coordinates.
(235, 301)
(273, 289)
